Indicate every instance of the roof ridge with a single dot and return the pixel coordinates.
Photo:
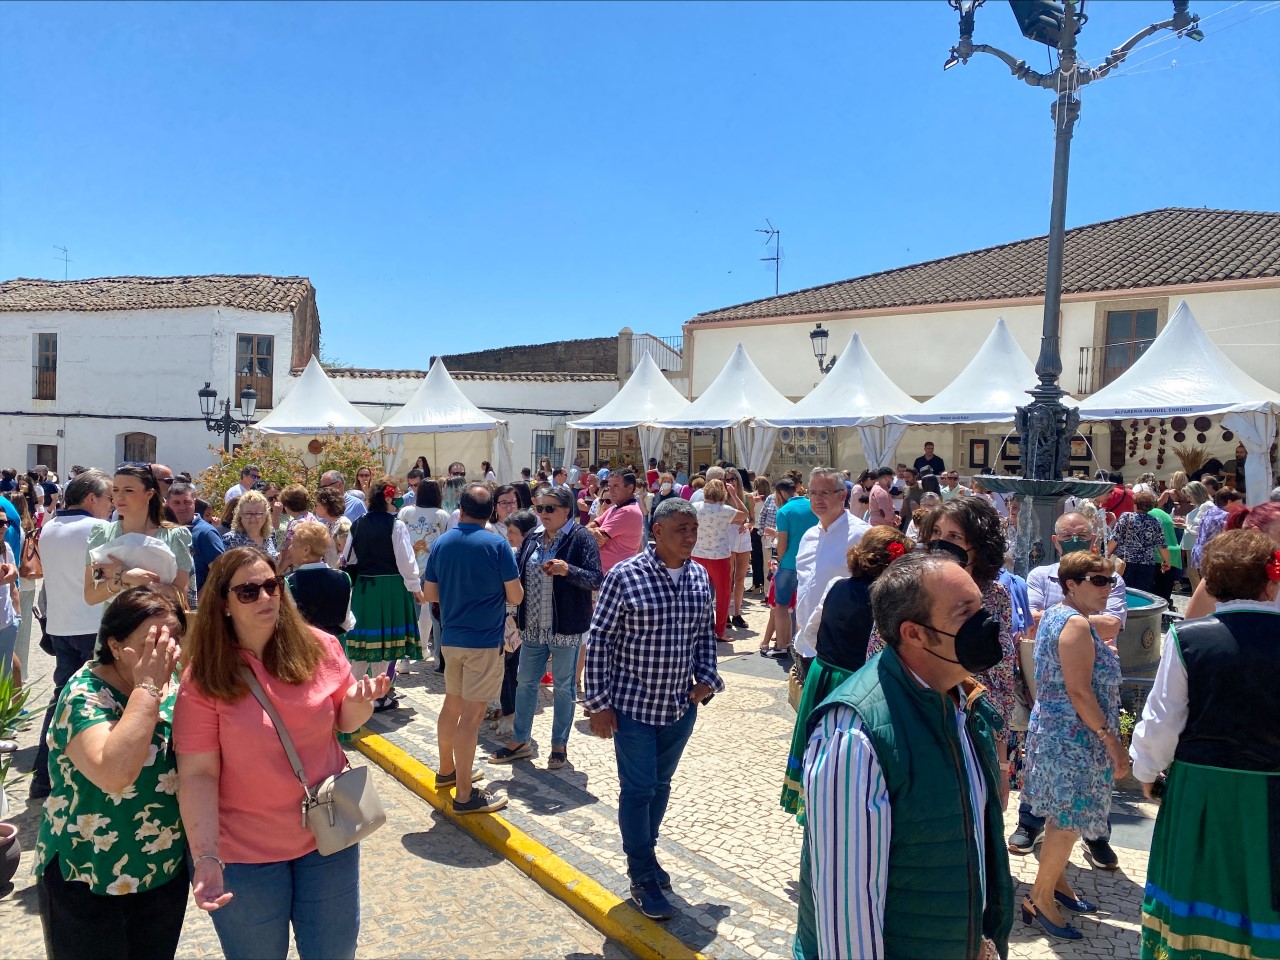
(144, 278)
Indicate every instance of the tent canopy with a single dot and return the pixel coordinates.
(739, 394)
(314, 405)
(856, 391)
(645, 398)
(438, 406)
(1182, 372)
(988, 390)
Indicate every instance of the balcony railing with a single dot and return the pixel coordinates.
(45, 386)
(666, 351)
(261, 385)
(1099, 366)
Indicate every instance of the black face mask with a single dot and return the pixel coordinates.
(977, 642)
(946, 546)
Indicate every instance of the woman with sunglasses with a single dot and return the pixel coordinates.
(364, 481)
(137, 499)
(1074, 754)
(255, 866)
(385, 587)
(559, 567)
(112, 874)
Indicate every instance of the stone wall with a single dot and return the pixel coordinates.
(595, 355)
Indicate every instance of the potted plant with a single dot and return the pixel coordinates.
(13, 699)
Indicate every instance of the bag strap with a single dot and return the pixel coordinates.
(261, 696)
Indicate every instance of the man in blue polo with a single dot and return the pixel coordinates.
(472, 574)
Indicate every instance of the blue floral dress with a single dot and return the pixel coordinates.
(1068, 777)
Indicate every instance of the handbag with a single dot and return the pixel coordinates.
(344, 808)
(30, 567)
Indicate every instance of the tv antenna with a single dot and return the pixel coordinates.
(773, 235)
(64, 258)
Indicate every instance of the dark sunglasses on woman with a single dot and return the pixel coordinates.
(1097, 579)
(248, 592)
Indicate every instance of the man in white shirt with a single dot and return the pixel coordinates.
(72, 624)
(249, 475)
(823, 553)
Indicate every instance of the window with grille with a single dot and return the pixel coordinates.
(254, 366)
(44, 372)
(544, 445)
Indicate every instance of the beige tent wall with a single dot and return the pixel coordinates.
(468, 446)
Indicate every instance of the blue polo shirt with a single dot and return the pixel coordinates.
(471, 566)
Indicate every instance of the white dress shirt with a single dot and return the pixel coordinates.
(63, 544)
(823, 556)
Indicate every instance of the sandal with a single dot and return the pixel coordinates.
(493, 713)
(557, 759)
(764, 651)
(511, 754)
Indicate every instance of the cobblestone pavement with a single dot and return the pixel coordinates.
(732, 851)
(427, 890)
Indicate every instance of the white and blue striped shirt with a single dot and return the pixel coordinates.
(849, 820)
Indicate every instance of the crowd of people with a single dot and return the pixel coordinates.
(177, 616)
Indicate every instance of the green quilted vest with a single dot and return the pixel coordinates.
(932, 907)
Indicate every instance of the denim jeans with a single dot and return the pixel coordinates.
(71, 654)
(564, 663)
(319, 895)
(647, 757)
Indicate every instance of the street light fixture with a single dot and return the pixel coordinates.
(226, 424)
(818, 340)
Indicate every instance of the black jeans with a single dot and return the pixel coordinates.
(757, 560)
(510, 673)
(79, 923)
(72, 653)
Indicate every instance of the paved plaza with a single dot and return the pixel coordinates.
(430, 890)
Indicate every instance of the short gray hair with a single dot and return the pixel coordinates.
(331, 475)
(715, 473)
(561, 495)
(899, 594)
(181, 489)
(673, 505)
(827, 472)
(93, 482)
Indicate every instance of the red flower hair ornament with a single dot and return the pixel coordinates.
(388, 492)
(1273, 566)
(896, 550)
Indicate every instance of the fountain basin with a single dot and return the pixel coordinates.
(1139, 643)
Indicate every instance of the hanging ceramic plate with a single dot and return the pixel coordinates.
(822, 436)
(789, 449)
(813, 449)
(1200, 438)
(1179, 436)
(799, 433)
(784, 434)
(1178, 423)
(1228, 436)
(1202, 424)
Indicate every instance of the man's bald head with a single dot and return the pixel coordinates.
(1073, 525)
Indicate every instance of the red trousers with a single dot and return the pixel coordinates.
(721, 573)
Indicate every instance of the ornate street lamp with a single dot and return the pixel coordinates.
(818, 340)
(226, 424)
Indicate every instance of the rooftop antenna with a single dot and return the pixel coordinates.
(773, 235)
(64, 258)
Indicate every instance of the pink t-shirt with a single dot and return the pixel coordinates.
(259, 798)
(881, 507)
(625, 527)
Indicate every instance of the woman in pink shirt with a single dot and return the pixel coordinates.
(255, 865)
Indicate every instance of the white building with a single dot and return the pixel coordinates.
(924, 322)
(100, 371)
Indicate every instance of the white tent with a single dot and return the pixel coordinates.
(740, 397)
(313, 406)
(856, 393)
(988, 390)
(645, 398)
(439, 422)
(1184, 372)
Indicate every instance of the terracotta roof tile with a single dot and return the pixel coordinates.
(249, 292)
(364, 373)
(1172, 246)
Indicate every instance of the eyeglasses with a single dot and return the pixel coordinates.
(457, 475)
(1097, 579)
(248, 592)
(331, 483)
(251, 516)
(822, 494)
(508, 503)
(544, 508)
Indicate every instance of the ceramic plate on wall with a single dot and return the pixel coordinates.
(784, 434)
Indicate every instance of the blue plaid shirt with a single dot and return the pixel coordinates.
(651, 640)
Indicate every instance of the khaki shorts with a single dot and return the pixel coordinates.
(474, 675)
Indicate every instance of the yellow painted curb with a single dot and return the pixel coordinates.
(613, 917)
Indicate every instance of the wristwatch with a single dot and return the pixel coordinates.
(1102, 731)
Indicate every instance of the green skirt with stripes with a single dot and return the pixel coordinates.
(386, 624)
(1213, 883)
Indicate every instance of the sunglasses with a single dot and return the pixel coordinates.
(248, 592)
(1097, 579)
(543, 508)
(457, 476)
(167, 480)
(331, 483)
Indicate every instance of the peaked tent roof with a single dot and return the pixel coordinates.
(438, 406)
(738, 394)
(856, 391)
(988, 390)
(314, 405)
(645, 398)
(1183, 371)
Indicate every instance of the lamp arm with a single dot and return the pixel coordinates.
(1117, 56)
(1018, 68)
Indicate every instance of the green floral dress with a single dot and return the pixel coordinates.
(117, 843)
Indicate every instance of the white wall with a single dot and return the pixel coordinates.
(123, 365)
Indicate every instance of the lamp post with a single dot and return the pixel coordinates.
(1046, 424)
(818, 340)
(226, 424)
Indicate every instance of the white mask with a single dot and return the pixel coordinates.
(665, 488)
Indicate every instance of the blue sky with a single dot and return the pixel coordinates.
(455, 177)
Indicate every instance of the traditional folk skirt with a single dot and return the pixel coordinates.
(386, 623)
(819, 682)
(1213, 883)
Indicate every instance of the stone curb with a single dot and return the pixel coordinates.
(603, 910)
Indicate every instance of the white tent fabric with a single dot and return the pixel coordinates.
(440, 423)
(646, 397)
(856, 393)
(314, 405)
(988, 390)
(1184, 372)
(739, 397)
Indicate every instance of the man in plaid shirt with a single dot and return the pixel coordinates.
(651, 658)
